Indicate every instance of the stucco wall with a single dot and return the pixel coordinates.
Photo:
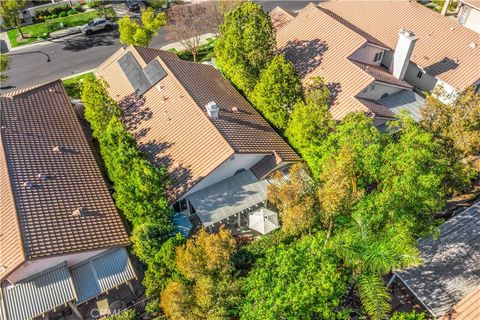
(226, 170)
(30, 268)
(375, 91)
(366, 54)
(472, 20)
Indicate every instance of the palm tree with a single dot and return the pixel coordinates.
(370, 254)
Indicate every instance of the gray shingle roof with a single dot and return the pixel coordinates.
(451, 264)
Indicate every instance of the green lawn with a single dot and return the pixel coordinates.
(40, 31)
(205, 52)
(73, 85)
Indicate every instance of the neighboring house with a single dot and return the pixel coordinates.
(469, 14)
(447, 283)
(185, 116)
(62, 241)
(373, 54)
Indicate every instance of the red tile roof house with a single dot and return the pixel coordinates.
(373, 53)
(62, 242)
(216, 147)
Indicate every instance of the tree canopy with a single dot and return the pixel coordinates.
(131, 32)
(245, 45)
(277, 90)
(10, 12)
(207, 288)
(4, 61)
(301, 280)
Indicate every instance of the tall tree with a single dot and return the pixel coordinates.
(148, 238)
(10, 11)
(4, 61)
(187, 23)
(456, 124)
(245, 45)
(301, 280)
(369, 254)
(295, 200)
(310, 121)
(131, 32)
(276, 92)
(207, 288)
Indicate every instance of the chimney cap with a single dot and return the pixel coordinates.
(212, 109)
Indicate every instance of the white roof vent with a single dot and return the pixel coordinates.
(42, 176)
(212, 109)
(57, 149)
(472, 45)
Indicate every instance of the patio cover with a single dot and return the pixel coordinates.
(404, 100)
(263, 221)
(101, 273)
(228, 197)
(36, 295)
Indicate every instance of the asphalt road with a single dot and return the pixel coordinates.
(63, 57)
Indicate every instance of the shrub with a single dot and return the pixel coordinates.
(93, 4)
(129, 314)
(71, 12)
(408, 316)
(53, 16)
(78, 7)
(62, 14)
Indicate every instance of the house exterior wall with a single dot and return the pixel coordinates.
(471, 19)
(226, 170)
(450, 94)
(367, 54)
(376, 90)
(32, 267)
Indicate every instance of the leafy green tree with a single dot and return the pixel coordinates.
(206, 288)
(99, 106)
(245, 45)
(131, 32)
(457, 124)
(411, 177)
(414, 315)
(277, 91)
(295, 200)
(148, 238)
(301, 280)
(10, 11)
(4, 61)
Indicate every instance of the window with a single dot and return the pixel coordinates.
(378, 56)
(419, 74)
(180, 206)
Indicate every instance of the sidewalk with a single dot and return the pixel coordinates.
(179, 46)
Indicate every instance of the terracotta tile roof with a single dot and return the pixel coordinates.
(281, 17)
(467, 309)
(265, 166)
(41, 187)
(444, 48)
(382, 75)
(318, 45)
(171, 124)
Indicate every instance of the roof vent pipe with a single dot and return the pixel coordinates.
(212, 109)
(78, 212)
(403, 52)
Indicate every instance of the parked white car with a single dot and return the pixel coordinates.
(96, 25)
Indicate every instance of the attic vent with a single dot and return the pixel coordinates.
(472, 45)
(57, 149)
(212, 109)
(27, 184)
(78, 212)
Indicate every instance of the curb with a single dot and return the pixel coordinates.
(78, 74)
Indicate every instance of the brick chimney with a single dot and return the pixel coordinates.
(403, 52)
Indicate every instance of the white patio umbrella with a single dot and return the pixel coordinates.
(263, 221)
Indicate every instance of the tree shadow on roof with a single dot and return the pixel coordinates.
(305, 55)
(442, 66)
(134, 113)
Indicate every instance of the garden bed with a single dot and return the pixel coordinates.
(40, 31)
(205, 52)
(73, 85)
